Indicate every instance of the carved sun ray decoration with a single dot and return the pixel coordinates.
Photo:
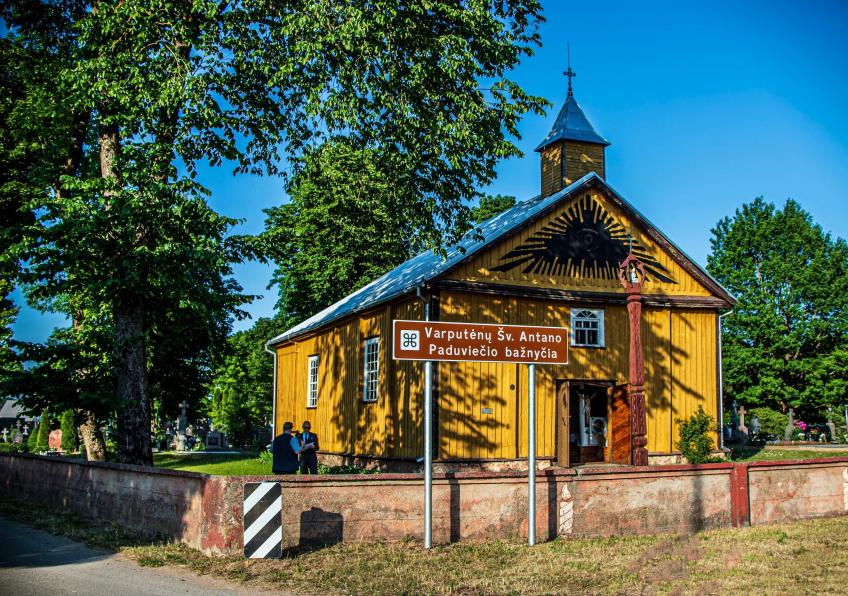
(583, 241)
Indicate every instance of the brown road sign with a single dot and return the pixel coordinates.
(479, 342)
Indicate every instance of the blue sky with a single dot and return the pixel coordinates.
(707, 106)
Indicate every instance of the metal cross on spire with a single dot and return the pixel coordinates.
(569, 73)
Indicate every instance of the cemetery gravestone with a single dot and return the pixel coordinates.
(213, 440)
(5, 435)
(54, 440)
(790, 426)
(182, 425)
(756, 426)
(832, 428)
(743, 430)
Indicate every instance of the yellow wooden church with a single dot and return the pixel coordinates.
(551, 260)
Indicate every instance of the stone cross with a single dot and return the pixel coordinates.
(742, 428)
(26, 429)
(5, 434)
(183, 421)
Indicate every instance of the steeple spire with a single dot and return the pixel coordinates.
(569, 73)
(573, 148)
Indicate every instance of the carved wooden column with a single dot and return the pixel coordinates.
(631, 273)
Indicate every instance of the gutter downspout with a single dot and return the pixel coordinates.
(274, 398)
(721, 382)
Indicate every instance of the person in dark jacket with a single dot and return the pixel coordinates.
(285, 450)
(309, 450)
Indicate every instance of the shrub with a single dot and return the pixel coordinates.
(12, 448)
(32, 439)
(772, 422)
(70, 441)
(696, 437)
(42, 441)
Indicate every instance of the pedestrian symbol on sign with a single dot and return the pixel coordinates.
(409, 340)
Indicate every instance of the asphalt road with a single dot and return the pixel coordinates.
(35, 562)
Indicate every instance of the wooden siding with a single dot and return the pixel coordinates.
(479, 268)
(344, 422)
(680, 375)
(552, 178)
(582, 158)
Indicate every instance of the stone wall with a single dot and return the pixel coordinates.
(205, 511)
(782, 490)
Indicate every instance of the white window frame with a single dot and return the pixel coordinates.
(312, 381)
(371, 370)
(575, 318)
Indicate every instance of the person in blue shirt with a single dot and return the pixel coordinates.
(285, 449)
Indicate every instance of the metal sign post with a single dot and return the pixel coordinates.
(428, 454)
(531, 454)
(431, 341)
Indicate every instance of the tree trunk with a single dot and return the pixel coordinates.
(92, 438)
(134, 446)
(133, 437)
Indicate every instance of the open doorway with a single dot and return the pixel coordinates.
(586, 409)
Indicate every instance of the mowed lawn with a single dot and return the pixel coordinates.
(249, 464)
(241, 464)
(809, 557)
(773, 453)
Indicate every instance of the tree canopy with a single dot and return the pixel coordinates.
(125, 101)
(490, 206)
(786, 343)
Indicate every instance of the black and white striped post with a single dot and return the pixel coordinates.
(263, 520)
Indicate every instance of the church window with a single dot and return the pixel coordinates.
(312, 384)
(372, 369)
(587, 327)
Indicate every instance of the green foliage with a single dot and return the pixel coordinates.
(70, 441)
(12, 448)
(837, 416)
(341, 230)
(242, 393)
(786, 343)
(325, 469)
(43, 433)
(32, 439)
(696, 437)
(490, 206)
(110, 98)
(771, 421)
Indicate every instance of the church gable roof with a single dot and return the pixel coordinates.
(572, 125)
(428, 266)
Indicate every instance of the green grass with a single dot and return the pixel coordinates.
(242, 464)
(776, 453)
(806, 557)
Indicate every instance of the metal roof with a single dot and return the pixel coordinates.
(427, 266)
(572, 125)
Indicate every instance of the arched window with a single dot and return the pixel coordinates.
(587, 327)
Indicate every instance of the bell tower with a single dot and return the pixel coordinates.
(573, 148)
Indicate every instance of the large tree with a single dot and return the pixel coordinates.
(146, 88)
(786, 343)
(340, 229)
